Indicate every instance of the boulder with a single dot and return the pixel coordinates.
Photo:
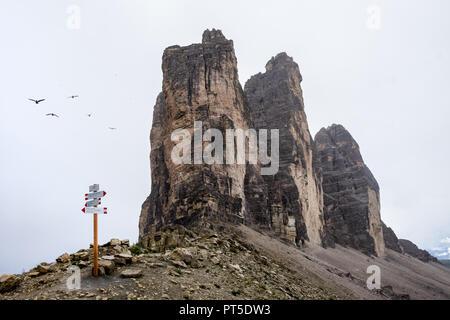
(64, 258)
(187, 255)
(9, 282)
(82, 255)
(131, 273)
(108, 266)
(43, 268)
(114, 242)
(128, 258)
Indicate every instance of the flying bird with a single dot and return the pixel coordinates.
(72, 97)
(89, 115)
(37, 101)
(111, 128)
(52, 115)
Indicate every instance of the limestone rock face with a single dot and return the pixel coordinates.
(411, 249)
(390, 239)
(294, 202)
(152, 216)
(200, 83)
(351, 193)
(322, 192)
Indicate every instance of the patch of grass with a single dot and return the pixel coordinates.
(137, 249)
(178, 270)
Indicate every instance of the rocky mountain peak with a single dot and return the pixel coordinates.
(213, 36)
(390, 239)
(412, 250)
(294, 194)
(351, 193)
(323, 193)
(281, 61)
(200, 84)
(337, 137)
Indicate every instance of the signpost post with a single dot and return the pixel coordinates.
(91, 207)
(95, 247)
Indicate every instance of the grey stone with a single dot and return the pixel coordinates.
(131, 273)
(109, 266)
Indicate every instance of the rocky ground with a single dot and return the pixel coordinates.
(212, 265)
(229, 262)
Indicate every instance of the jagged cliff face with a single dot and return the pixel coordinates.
(200, 83)
(390, 239)
(152, 214)
(405, 246)
(294, 193)
(351, 193)
(412, 250)
(322, 192)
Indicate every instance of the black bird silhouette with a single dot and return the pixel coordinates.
(89, 115)
(111, 128)
(37, 101)
(72, 97)
(52, 115)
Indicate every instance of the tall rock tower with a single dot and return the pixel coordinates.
(200, 83)
(351, 193)
(295, 192)
(321, 193)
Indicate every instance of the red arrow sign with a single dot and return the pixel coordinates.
(92, 210)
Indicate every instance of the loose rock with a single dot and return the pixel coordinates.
(9, 282)
(131, 273)
(64, 258)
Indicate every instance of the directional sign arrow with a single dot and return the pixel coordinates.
(95, 195)
(91, 210)
(93, 203)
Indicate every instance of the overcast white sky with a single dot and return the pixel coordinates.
(389, 87)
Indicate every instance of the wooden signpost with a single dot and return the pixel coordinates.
(91, 207)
